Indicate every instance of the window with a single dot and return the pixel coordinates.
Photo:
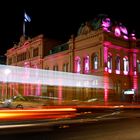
(139, 67)
(109, 63)
(86, 64)
(21, 57)
(10, 61)
(35, 52)
(118, 65)
(65, 67)
(47, 68)
(94, 61)
(138, 64)
(55, 68)
(126, 65)
(77, 64)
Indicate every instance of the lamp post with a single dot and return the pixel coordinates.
(7, 72)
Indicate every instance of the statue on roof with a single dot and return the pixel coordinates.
(97, 21)
(85, 28)
(80, 29)
(22, 40)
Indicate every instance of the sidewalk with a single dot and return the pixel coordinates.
(110, 105)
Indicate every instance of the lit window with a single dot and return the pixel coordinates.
(65, 67)
(77, 65)
(138, 64)
(86, 64)
(126, 65)
(118, 65)
(109, 63)
(95, 62)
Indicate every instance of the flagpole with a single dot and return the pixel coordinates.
(26, 19)
(24, 25)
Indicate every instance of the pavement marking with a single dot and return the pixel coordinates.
(110, 114)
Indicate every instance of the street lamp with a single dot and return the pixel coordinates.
(7, 72)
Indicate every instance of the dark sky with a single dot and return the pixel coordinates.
(59, 19)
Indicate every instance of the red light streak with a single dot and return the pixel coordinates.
(29, 114)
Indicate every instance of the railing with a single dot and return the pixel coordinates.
(59, 48)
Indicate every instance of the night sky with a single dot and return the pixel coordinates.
(59, 19)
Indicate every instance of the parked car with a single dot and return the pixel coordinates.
(8, 103)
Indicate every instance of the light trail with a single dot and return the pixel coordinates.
(23, 75)
(58, 112)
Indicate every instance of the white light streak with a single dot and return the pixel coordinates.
(48, 77)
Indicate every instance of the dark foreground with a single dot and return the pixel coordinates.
(119, 126)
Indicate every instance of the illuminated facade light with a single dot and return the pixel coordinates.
(106, 69)
(133, 36)
(123, 29)
(117, 71)
(106, 23)
(110, 70)
(125, 72)
(117, 32)
(125, 37)
(135, 73)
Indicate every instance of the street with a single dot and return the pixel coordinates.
(117, 125)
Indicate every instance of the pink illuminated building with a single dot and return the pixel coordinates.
(98, 49)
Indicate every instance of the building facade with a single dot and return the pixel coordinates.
(98, 49)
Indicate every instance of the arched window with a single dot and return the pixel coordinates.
(65, 67)
(95, 61)
(86, 64)
(126, 65)
(55, 67)
(77, 64)
(118, 65)
(138, 66)
(109, 63)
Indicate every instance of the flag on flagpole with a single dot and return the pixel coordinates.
(26, 18)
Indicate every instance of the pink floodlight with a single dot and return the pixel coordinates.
(117, 32)
(106, 24)
(123, 30)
